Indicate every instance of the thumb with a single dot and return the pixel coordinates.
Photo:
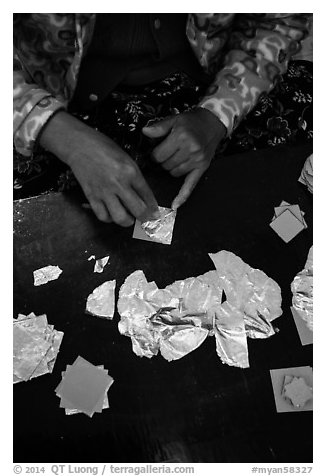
(188, 186)
(159, 129)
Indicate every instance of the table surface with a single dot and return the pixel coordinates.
(194, 409)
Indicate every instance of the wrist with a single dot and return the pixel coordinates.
(214, 122)
(61, 134)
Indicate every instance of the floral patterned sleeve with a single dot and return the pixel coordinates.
(33, 107)
(256, 52)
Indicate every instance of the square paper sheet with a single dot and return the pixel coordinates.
(287, 225)
(158, 231)
(277, 376)
(84, 387)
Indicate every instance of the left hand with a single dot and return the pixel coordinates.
(189, 146)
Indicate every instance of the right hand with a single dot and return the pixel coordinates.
(110, 179)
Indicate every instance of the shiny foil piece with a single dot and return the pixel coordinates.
(296, 390)
(161, 230)
(35, 347)
(46, 274)
(306, 176)
(100, 264)
(302, 290)
(101, 302)
(177, 319)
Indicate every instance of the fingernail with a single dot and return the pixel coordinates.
(156, 215)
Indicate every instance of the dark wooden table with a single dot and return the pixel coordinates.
(192, 410)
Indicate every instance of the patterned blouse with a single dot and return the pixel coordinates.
(246, 53)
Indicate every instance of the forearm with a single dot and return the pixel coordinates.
(61, 134)
(32, 109)
(253, 64)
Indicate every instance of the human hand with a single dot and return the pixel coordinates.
(191, 140)
(110, 179)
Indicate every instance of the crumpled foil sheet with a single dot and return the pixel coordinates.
(101, 302)
(177, 319)
(302, 289)
(306, 176)
(161, 230)
(35, 346)
(46, 274)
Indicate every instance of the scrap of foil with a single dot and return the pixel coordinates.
(46, 274)
(161, 230)
(302, 290)
(101, 301)
(296, 390)
(35, 347)
(177, 319)
(100, 264)
(306, 176)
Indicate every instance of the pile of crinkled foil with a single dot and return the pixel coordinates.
(36, 345)
(177, 319)
(302, 289)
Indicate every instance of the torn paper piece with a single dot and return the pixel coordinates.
(306, 176)
(287, 226)
(83, 387)
(177, 319)
(281, 377)
(160, 230)
(100, 264)
(46, 274)
(302, 289)
(101, 302)
(35, 346)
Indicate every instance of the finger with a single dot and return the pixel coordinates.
(119, 214)
(187, 188)
(159, 129)
(183, 168)
(141, 187)
(100, 211)
(166, 149)
(133, 203)
(181, 156)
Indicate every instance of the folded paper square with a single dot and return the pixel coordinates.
(287, 225)
(160, 230)
(84, 387)
(300, 394)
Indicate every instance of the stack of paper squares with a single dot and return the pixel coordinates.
(288, 221)
(83, 388)
(35, 346)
